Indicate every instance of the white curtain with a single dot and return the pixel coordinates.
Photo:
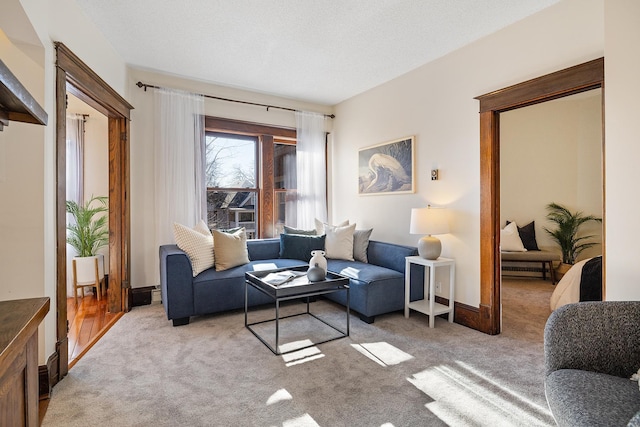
(290, 177)
(75, 178)
(75, 160)
(311, 166)
(180, 191)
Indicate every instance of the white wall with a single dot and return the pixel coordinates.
(436, 103)
(144, 250)
(21, 189)
(552, 152)
(622, 150)
(30, 184)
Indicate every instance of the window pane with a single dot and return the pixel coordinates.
(285, 207)
(284, 166)
(231, 161)
(230, 209)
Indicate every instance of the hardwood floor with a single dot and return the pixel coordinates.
(87, 323)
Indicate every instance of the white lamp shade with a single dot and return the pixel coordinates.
(429, 221)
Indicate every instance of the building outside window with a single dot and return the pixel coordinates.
(230, 173)
(250, 175)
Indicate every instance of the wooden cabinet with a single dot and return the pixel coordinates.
(19, 320)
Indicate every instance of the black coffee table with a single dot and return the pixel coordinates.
(268, 282)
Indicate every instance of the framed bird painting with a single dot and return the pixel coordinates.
(387, 168)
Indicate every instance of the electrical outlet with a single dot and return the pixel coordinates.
(438, 286)
(156, 296)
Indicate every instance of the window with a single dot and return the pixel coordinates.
(230, 174)
(284, 182)
(251, 176)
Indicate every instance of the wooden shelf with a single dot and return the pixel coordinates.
(16, 103)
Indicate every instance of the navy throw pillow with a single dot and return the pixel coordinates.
(297, 246)
(528, 236)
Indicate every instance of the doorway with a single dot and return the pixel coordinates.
(580, 78)
(87, 166)
(550, 152)
(75, 76)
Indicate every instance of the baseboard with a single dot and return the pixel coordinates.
(141, 296)
(463, 314)
(48, 376)
(467, 315)
(44, 385)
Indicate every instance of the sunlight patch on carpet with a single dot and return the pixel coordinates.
(542, 410)
(301, 356)
(384, 354)
(461, 397)
(279, 396)
(303, 421)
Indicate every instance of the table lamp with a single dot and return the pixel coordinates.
(429, 221)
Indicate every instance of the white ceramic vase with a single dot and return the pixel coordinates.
(317, 258)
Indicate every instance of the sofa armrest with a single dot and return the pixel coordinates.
(389, 255)
(176, 282)
(594, 336)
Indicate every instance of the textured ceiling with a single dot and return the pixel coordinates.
(322, 51)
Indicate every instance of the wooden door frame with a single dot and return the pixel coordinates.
(580, 78)
(75, 76)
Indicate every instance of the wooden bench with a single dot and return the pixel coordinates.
(544, 256)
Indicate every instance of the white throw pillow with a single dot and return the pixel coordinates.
(338, 242)
(230, 248)
(510, 239)
(202, 227)
(321, 227)
(197, 245)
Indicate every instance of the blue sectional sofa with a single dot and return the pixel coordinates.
(376, 287)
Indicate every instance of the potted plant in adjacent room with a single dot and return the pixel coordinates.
(87, 234)
(566, 231)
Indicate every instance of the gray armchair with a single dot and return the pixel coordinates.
(591, 350)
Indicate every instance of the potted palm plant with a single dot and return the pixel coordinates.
(87, 234)
(566, 231)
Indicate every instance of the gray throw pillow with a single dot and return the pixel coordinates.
(360, 244)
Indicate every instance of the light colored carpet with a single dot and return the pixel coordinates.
(525, 307)
(395, 372)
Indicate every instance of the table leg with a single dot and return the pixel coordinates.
(246, 305)
(348, 311)
(432, 296)
(277, 326)
(407, 288)
(452, 281)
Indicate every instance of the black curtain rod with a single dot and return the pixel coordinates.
(145, 86)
